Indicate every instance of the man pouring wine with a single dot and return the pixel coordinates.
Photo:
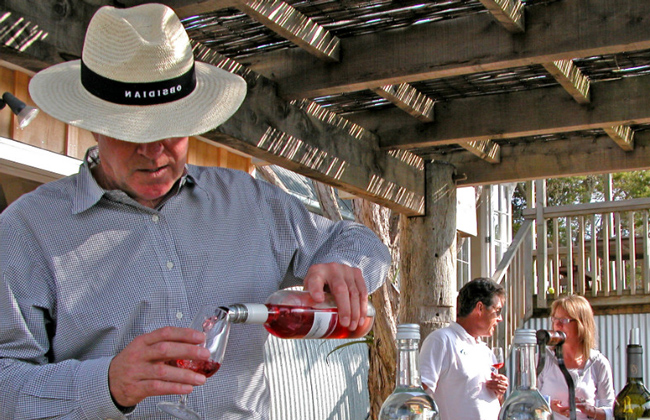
(101, 272)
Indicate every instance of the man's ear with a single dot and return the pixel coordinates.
(480, 307)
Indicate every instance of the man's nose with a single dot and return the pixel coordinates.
(152, 150)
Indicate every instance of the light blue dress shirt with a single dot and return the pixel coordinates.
(83, 271)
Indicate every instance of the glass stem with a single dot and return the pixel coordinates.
(183, 400)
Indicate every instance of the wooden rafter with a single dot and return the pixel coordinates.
(571, 78)
(509, 116)
(510, 13)
(557, 31)
(200, 7)
(487, 150)
(408, 99)
(623, 135)
(572, 156)
(286, 21)
(577, 84)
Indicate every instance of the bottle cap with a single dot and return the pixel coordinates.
(635, 338)
(408, 332)
(525, 336)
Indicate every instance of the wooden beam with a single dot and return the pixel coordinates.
(554, 31)
(510, 13)
(289, 23)
(571, 157)
(571, 78)
(408, 99)
(315, 142)
(623, 135)
(619, 102)
(200, 7)
(487, 150)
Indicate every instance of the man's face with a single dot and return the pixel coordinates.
(145, 171)
(490, 316)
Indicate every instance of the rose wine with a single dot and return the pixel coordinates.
(204, 367)
(294, 314)
(304, 322)
(498, 366)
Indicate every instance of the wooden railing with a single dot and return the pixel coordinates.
(598, 250)
(561, 250)
(515, 273)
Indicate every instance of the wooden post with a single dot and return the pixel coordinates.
(428, 255)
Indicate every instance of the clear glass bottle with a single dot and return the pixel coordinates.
(294, 314)
(633, 402)
(408, 401)
(525, 402)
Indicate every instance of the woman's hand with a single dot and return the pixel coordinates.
(591, 411)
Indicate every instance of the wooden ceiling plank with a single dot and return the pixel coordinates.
(304, 137)
(571, 78)
(289, 23)
(487, 150)
(504, 116)
(571, 157)
(510, 13)
(623, 135)
(408, 99)
(554, 31)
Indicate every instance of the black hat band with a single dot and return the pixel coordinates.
(148, 93)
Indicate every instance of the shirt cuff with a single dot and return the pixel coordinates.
(92, 390)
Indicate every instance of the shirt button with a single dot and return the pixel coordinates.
(155, 218)
(179, 315)
(170, 265)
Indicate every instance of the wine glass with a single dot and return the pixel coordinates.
(214, 323)
(498, 360)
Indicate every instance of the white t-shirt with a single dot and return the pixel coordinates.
(455, 366)
(593, 383)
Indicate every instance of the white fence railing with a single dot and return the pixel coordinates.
(598, 250)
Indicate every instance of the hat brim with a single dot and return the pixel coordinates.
(58, 91)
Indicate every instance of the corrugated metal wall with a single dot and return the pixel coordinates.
(613, 332)
(307, 384)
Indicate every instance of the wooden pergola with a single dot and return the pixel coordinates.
(409, 84)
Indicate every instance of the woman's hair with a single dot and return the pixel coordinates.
(579, 309)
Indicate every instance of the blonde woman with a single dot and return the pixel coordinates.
(590, 369)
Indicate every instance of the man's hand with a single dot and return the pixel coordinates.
(497, 384)
(139, 371)
(558, 407)
(346, 285)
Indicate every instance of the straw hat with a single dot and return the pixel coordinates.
(137, 80)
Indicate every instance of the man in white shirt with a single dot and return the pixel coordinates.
(456, 365)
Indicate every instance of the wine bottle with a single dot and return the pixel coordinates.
(294, 314)
(525, 402)
(633, 402)
(408, 401)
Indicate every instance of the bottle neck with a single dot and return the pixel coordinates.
(525, 375)
(634, 363)
(408, 368)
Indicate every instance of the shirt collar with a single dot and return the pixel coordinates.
(88, 192)
(462, 333)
